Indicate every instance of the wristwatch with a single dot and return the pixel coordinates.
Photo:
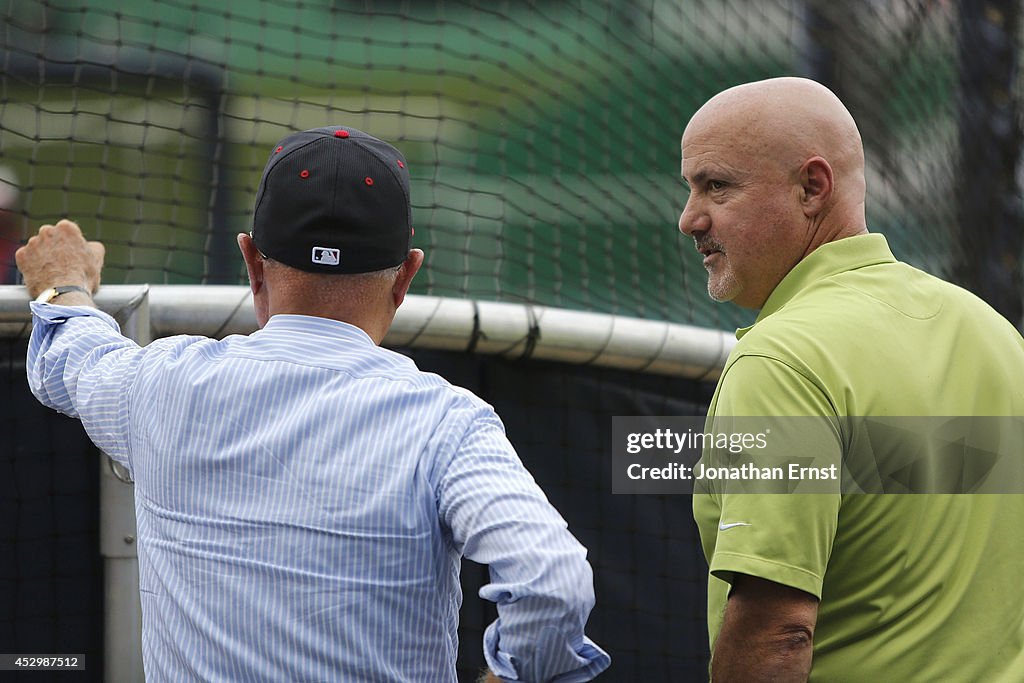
(52, 293)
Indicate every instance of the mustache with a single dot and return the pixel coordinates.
(707, 244)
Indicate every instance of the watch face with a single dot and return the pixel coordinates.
(47, 294)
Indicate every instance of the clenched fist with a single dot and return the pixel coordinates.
(60, 255)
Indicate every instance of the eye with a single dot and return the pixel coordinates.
(716, 185)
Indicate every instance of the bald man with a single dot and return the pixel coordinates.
(839, 585)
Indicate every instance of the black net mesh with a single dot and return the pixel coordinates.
(543, 136)
(649, 571)
(51, 594)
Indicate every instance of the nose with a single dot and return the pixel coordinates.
(693, 218)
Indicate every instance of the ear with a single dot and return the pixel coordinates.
(253, 262)
(817, 184)
(406, 272)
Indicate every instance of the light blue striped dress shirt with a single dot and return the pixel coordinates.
(303, 500)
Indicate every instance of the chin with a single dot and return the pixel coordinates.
(722, 292)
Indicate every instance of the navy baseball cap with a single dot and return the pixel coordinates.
(334, 200)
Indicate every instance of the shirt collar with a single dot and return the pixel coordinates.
(325, 327)
(827, 260)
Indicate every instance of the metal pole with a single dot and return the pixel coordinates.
(989, 211)
(122, 614)
(223, 262)
(819, 43)
(425, 322)
(122, 618)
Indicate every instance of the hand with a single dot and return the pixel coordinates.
(60, 255)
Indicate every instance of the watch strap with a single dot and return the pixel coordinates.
(52, 293)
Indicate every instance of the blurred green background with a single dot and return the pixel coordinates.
(542, 136)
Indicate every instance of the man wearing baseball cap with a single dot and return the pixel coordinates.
(304, 497)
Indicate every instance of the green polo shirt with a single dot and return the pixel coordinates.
(911, 587)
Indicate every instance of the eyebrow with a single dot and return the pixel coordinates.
(698, 178)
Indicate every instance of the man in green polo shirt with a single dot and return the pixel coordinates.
(845, 586)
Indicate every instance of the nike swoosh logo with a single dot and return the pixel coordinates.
(723, 527)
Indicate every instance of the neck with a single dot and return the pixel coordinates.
(834, 226)
(364, 303)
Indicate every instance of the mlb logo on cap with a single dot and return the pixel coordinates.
(326, 256)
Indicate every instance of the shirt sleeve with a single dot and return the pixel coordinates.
(540, 578)
(782, 536)
(81, 365)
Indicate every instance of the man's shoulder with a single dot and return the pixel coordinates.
(398, 368)
(884, 338)
(410, 372)
(845, 309)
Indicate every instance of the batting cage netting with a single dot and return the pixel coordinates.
(543, 141)
(542, 136)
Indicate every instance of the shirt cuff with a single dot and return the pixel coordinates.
(576, 664)
(725, 564)
(56, 314)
